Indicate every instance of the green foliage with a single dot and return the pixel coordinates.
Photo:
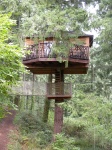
(2, 112)
(74, 127)
(64, 143)
(16, 140)
(89, 119)
(10, 55)
(101, 55)
(45, 19)
(28, 122)
(6, 105)
(29, 141)
(87, 124)
(35, 133)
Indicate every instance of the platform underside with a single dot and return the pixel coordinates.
(49, 65)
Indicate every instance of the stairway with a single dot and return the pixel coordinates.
(59, 84)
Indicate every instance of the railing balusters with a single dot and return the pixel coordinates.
(44, 50)
(59, 89)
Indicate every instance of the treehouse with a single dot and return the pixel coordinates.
(41, 58)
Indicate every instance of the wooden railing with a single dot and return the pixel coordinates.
(44, 50)
(79, 52)
(59, 90)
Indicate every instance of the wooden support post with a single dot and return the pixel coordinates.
(58, 116)
(58, 119)
(17, 100)
(47, 103)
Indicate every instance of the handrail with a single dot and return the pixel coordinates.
(44, 50)
(59, 89)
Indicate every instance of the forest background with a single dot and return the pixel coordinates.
(88, 115)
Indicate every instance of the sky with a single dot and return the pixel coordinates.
(92, 9)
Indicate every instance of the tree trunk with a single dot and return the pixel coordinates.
(32, 101)
(16, 100)
(58, 119)
(47, 104)
(58, 116)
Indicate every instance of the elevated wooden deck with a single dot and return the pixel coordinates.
(59, 90)
(40, 59)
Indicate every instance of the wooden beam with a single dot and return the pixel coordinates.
(78, 60)
(52, 71)
(53, 65)
(54, 60)
(59, 97)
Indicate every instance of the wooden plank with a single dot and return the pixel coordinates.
(52, 71)
(56, 65)
(78, 60)
(54, 60)
(58, 96)
(30, 61)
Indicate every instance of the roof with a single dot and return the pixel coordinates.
(71, 34)
(82, 35)
(90, 38)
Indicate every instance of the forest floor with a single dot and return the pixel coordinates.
(6, 125)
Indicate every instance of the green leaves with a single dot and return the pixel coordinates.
(101, 56)
(89, 118)
(44, 19)
(10, 55)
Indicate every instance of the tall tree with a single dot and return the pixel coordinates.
(57, 18)
(47, 103)
(43, 17)
(102, 55)
(10, 55)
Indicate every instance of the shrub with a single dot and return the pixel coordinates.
(64, 143)
(2, 112)
(74, 127)
(37, 133)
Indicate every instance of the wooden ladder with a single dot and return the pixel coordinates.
(59, 80)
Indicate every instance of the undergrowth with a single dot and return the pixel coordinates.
(87, 127)
(33, 133)
(2, 113)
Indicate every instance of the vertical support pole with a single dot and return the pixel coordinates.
(92, 77)
(47, 103)
(58, 119)
(58, 116)
(32, 101)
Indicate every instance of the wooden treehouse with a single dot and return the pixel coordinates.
(41, 59)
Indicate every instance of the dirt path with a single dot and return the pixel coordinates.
(5, 127)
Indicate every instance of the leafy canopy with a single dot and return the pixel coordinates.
(44, 18)
(10, 54)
